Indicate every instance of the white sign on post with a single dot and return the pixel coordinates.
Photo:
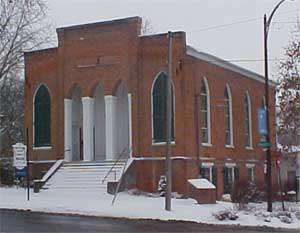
(20, 156)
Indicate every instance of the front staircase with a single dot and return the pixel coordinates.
(87, 177)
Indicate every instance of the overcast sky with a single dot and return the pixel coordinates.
(198, 18)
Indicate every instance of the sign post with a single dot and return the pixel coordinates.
(20, 161)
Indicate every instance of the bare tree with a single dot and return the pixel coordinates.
(12, 111)
(289, 95)
(23, 27)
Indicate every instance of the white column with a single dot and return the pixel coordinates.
(68, 130)
(110, 126)
(88, 128)
(130, 124)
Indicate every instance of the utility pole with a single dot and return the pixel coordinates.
(27, 162)
(168, 165)
(267, 24)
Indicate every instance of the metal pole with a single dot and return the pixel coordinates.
(268, 152)
(168, 127)
(280, 185)
(27, 160)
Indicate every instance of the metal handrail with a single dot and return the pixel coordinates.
(118, 159)
(119, 182)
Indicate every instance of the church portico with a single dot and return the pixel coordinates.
(97, 128)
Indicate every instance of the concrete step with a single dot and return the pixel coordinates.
(91, 168)
(84, 177)
(103, 163)
(87, 185)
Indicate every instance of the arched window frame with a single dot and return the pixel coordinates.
(154, 142)
(46, 145)
(204, 84)
(248, 121)
(228, 91)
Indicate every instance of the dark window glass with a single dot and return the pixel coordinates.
(250, 173)
(227, 180)
(205, 173)
(247, 121)
(204, 113)
(42, 119)
(159, 97)
(227, 118)
(215, 175)
(291, 181)
(229, 177)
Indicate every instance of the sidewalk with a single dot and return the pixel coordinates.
(134, 207)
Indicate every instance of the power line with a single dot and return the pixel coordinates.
(239, 22)
(283, 22)
(226, 25)
(253, 60)
(245, 60)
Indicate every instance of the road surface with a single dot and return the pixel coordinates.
(21, 221)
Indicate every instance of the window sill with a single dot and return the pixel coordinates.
(206, 144)
(249, 148)
(229, 146)
(162, 143)
(42, 148)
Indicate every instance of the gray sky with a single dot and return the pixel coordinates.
(197, 17)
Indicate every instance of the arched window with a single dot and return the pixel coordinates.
(42, 119)
(228, 117)
(205, 112)
(159, 98)
(248, 121)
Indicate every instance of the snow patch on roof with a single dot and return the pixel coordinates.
(224, 64)
(201, 184)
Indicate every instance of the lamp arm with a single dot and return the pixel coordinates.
(272, 14)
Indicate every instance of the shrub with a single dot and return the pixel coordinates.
(226, 214)
(245, 192)
(6, 172)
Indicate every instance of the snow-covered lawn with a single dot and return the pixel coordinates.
(132, 206)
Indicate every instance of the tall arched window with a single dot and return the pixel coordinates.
(42, 119)
(248, 121)
(205, 112)
(159, 98)
(228, 117)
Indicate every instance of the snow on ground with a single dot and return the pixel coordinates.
(133, 206)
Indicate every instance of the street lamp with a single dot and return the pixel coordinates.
(267, 24)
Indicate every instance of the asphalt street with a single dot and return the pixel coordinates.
(24, 221)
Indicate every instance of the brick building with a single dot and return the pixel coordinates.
(101, 92)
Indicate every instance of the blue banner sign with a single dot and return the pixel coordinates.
(262, 121)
